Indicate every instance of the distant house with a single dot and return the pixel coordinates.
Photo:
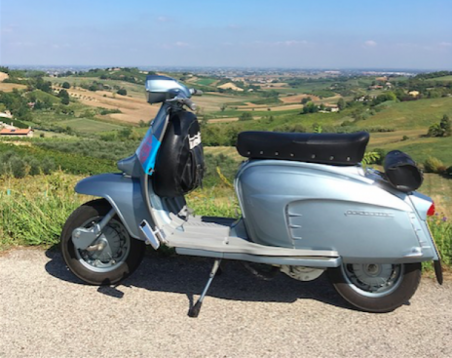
(6, 125)
(15, 132)
(414, 93)
(6, 114)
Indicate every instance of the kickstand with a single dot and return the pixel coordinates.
(194, 311)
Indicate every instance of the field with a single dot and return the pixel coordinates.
(89, 125)
(228, 151)
(410, 115)
(8, 87)
(206, 81)
(439, 189)
(442, 79)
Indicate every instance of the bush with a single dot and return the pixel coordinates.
(122, 92)
(434, 165)
(381, 155)
(449, 171)
(441, 129)
(245, 116)
(441, 229)
(17, 167)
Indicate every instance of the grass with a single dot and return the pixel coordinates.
(89, 125)
(230, 152)
(133, 89)
(418, 114)
(205, 81)
(441, 79)
(420, 148)
(34, 209)
(439, 188)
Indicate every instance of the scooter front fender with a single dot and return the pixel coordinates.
(124, 195)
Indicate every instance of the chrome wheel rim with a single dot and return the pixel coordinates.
(113, 254)
(373, 280)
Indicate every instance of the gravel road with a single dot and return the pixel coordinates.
(46, 312)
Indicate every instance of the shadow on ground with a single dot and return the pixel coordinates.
(188, 275)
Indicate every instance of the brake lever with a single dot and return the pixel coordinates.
(185, 101)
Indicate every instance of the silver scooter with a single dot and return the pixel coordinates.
(307, 204)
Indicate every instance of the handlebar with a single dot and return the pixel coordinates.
(189, 103)
(185, 101)
(195, 92)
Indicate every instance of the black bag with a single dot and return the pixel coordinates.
(402, 172)
(179, 167)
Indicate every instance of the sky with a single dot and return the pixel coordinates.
(286, 34)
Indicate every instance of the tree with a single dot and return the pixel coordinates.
(310, 107)
(66, 85)
(446, 126)
(305, 100)
(245, 116)
(441, 129)
(341, 104)
(64, 95)
(122, 92)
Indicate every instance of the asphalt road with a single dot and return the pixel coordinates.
(46, 312)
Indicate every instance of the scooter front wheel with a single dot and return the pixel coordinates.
(376, 288)
(101, 266)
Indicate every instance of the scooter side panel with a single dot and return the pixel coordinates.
(123, 193)
(303, 205)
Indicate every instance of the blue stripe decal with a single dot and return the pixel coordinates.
(147, 152)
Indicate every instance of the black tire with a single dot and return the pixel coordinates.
(130, 249)
(405, 280)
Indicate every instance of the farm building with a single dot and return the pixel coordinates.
(15, 132)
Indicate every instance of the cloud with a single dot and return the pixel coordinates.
(7, 30)
(445, 44)
(286, 43)
(163, 19)
(291, 43)
(370, 43)
(177, 44)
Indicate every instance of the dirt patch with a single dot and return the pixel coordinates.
(298, 98)
(229, 119)
(8, 87)
(393, 137)
(23, 144)
(274, 108)
(223, 120)
(231, 86)
(3, 76)
(132, 109)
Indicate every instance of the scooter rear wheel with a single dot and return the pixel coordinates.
(376, 288)
(98, 267)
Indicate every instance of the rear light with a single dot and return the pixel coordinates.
(431, 210)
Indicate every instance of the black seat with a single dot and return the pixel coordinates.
(324, 148)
